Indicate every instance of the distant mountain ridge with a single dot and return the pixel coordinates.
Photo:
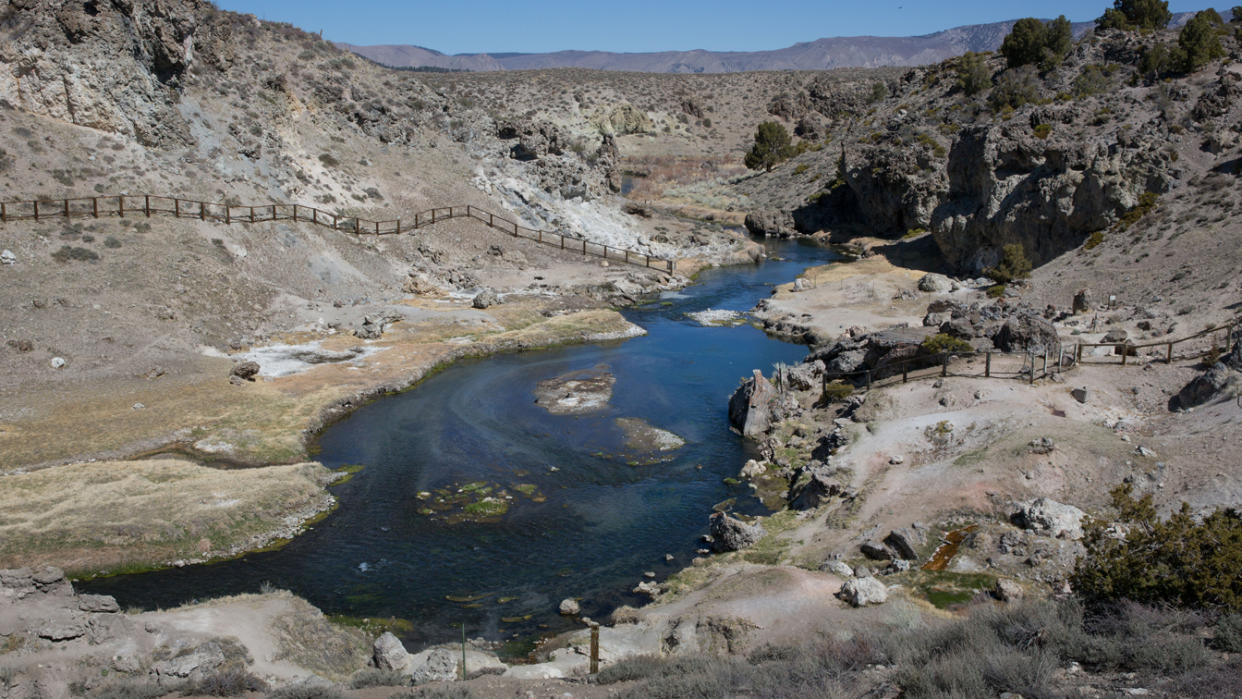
(820, 54)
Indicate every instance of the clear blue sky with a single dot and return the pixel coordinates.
(476, 26)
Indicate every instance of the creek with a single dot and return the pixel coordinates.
(587, 514)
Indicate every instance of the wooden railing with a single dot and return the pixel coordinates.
(1126, 350)
(148, 205)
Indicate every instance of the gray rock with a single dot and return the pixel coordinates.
(58, 362)
(1079, 394)
(905, 542)
(875, 551)
(859, 592)
(1042, 445)
(440, 665)
(1206, 387)
(569, 607)
(388, 653)
(1007, 590)
(61, 626)
(1116, 335)
(98, 604)
(770, 223)
(48, 576)
(750, 407)
(935, 284)
(485, 299)
(732, 534)
(1082, 301)
(8, 258)
(245, 371)
(208, 656)
(1050, 517)
(838, 568)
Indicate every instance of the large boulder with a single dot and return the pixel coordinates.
(438, 665)
(1218, 380)
(750, 407)
(936, 284)
(732, 534)
(905, 542)
(388, 653)
(1050, 517)
(859, 592)
(770, 223)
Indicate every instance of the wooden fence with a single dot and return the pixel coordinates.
(148, 205)
(1190, 347)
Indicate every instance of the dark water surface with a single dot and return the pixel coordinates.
(602, 521)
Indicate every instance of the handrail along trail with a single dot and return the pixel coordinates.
(146, 205)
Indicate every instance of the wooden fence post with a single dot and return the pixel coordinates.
(120, 206)
(66, 208)
(146, 205)
(1078, 354)
(868, 379)
(1168, 359)
(202, 211)
(4, 212)
(944, 365)
(36, 207)
(987, 365)
(228, 214)
(905, 372)
(1031, 356)
(176, 208)
(594, 648)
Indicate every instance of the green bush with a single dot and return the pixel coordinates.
(940, 343)
(1199, 41)
(837, 391)
(307, 691)
(1042, 130)
(1013, 265)
(1015, 88)
(1094, 240)
(1093, 80)
(226, 683)
(1136, 14)
(1146, 202)
(1033, 42)
(973, 75)
(1178, 561)
(131, 689)
(772, 146)
(67, 253)
(375, 677)
(996, 291)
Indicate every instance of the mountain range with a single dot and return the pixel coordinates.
(820, 54)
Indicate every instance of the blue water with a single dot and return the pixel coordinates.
(603, 521)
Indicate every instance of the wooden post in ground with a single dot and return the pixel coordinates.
(1045, 363)
(66, 208)
(1125, 352)
(228, 214)
(987, 365)
(1168, 357)
(295, 213)
(1031, 356)
(176, 208)
(868, 379)
(95, 207)
(146, 205)
(4, 212)
(1078, 354)
(36, 207)
(905, 372)
(594, 648)
(202, 211)
(944, 365)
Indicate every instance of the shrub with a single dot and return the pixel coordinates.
(973, 75)
(67, 253)
(451, 691)
(837, 391)
(1094, 240)
(375, 677)
(1177, 561)
(879, 91)
(1013, 265)
(1042, 130)
(133, 689)
(1136, 14)
(328, 160)
(940, 343)
(1033, 42)
(772, 146)
(996, 291)
(1146, 202)
(1093, 80)
(307, 691)
(1229, 633)
(226, 683)
(1015, 88)
(1199, 41)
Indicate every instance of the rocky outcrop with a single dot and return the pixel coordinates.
(576, 393)
(770, 223)
(750, 407)
(1217, 381)
(1003, 326)
(882, 352)
(1051, 518)
(732, 534)
(1007, 186)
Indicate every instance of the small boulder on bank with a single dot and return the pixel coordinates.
(485, 299)
(569, 607)
(936, 284)
(1050, 517)
(244, 371)
(389, 653)
(859, 592)
(732, 534)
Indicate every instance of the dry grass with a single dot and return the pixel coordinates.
(137, 514)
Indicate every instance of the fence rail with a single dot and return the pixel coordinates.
(1026, 366)
(148, 205)
(1204, 341)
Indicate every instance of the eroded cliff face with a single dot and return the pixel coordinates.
(113, 65)
(917, 153)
